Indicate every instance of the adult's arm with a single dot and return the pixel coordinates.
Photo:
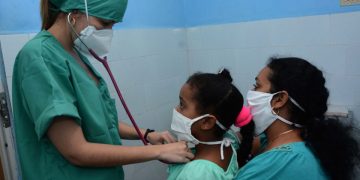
(68, 138)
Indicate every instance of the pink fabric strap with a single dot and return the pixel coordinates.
(244, 117)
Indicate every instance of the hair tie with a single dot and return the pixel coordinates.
(244, 117)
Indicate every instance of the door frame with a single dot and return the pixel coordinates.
(9, 159)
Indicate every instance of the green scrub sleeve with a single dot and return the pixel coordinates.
(48, 93)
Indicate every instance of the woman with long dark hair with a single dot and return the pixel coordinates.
(288, 104)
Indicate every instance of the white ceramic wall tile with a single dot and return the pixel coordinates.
(148, 69)
(164, 116)
(343, 89)
(162, 92)
(344, 28)
(353, 61)
(212, 60)
(225, 58)
(229, 36)
(194, 38)
(251, 60)
(330, 42)
(216, 37)
(130, 72)
(300, 31)
(137, 43)
(328, 58)
(158, 118)
(256, 34)
(201, 61)
(166, 65)
(355, 110)
(134, 97)
(243, 82)
(11, 45)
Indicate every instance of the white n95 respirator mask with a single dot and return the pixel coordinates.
(91, 38)
(262, 112)
(97, 40)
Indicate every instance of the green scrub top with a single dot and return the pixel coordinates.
(48, 82)
(292, 161)
(203, 169)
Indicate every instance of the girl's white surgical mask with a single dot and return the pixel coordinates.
(263, 114)
(181, 126)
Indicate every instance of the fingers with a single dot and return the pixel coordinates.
(188, 154)
(168, 138)
(176, 153)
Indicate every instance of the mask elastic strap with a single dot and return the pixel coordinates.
(198, 118)
(72, 28)
(86, 11)
(206, 115)
(221, 126)
(293, 101)
(296, 104)
(283, 119)
(288, 122)
(225, 142)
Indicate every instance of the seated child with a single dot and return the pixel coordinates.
(209, 105)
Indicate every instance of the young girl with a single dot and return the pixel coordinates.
(209, 105)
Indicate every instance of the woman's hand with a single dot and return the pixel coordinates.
(175, 153)
(160, 138)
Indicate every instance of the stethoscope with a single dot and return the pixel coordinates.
(104, 62)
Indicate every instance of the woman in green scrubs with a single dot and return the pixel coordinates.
(66, 124)
(288, 104)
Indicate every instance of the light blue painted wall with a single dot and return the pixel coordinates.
(23, 16)
(204, 12)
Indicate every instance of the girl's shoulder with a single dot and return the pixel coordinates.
(196, 169)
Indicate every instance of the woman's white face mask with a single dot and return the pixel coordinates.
(97, 40)
(91, 38)
(263, 114)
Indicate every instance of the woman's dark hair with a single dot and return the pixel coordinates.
(215, 94)
(330, 140)
(48, 14)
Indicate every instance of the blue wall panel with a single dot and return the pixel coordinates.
(19, 16)
(203, 12)
(22, 16)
